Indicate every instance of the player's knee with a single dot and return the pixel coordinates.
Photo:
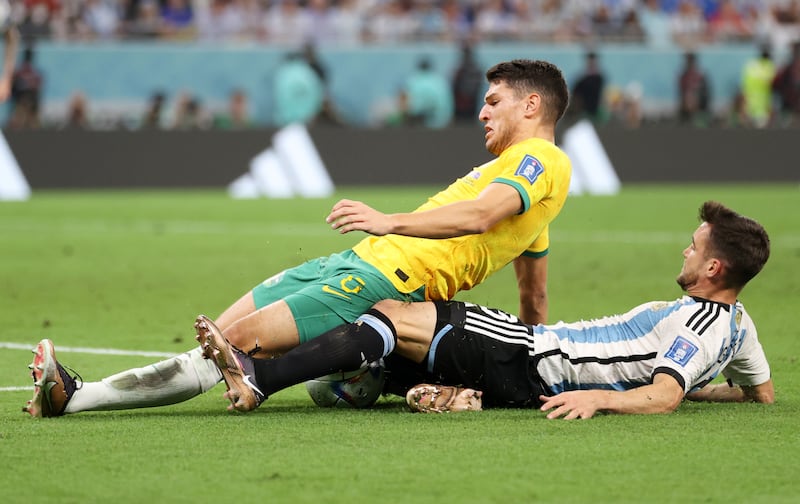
(240, 338)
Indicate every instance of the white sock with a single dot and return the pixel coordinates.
(167, 382)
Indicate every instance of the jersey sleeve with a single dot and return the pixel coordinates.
(684, 355)
(749, 365)
(525, 173)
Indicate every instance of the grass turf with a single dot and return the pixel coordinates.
(130, 270)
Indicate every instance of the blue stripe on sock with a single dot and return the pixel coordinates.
(434, 344)
(382, 329)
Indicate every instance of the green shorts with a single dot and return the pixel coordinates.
(329, 291)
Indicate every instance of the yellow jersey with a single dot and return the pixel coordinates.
(536, 168)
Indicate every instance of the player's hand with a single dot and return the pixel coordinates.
(571, 405)
(349, 215)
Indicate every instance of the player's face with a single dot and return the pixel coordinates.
(694, 258)
(502, 114)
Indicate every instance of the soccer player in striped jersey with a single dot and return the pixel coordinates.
(643, 361)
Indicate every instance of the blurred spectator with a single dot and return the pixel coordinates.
(787, 86)
(189, 114)
(153, 116)
(496, 20)
(320, 18)
(220, 21)
(728, 24)
(737, 114)
(177, 19)
(347, 22)
(398, 114)
(688, 25)
(757, 77)
(693, 93)
(655, 23)
(26, 89)
(458, 20)
(615, 20)
(786, 12)
(588, 89)
(430, 20)
(77, 116)
(391, 21)
(101, 19)
(430, 97)
(311, 56)
(11, 39)
(549, 21)
(784, 25)
(329, 113)
(237, 116)
(468, 82)
(625, 105)
(299, 93)
(147, 23)
(35, 23)
(287, 22)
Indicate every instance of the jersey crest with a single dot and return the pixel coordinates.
(529, 168)
(681, 351)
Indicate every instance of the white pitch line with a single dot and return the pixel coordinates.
(16, 389)
(98, 351)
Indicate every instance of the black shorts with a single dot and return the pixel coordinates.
(475, 347)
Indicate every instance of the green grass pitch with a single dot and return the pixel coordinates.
(131, 270)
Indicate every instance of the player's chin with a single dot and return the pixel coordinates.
(492, 147)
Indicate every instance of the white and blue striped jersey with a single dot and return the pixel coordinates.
(691, 339)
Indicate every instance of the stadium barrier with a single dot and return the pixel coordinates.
(397, 156)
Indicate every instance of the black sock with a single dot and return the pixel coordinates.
(344, 348)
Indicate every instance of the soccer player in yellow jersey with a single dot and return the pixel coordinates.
(496, 214)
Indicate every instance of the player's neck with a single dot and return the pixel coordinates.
(725, 296)
(545, 132)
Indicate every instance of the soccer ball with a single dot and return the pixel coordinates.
(352, 389)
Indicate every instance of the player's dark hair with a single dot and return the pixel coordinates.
(525, 76)
(741, 243)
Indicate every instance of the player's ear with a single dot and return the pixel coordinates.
(715, 268)
(532, 104)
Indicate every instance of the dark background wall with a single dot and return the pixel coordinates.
(115, 159)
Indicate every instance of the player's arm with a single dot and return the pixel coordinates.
(664, 395)
(476, 216)
(532, 283)
(9, 61)
(723, 392)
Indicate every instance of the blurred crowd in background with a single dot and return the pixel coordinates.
(393, 21)
(769, 94)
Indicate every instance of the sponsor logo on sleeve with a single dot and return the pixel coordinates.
(681, 351)
(529, 168)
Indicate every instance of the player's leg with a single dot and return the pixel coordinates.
(251, 380)
(484, 349)
(413, 326)
(265, 332)
(331, 343)
(175, 379)
(169, 381)
(343, 348)
(473, 348)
